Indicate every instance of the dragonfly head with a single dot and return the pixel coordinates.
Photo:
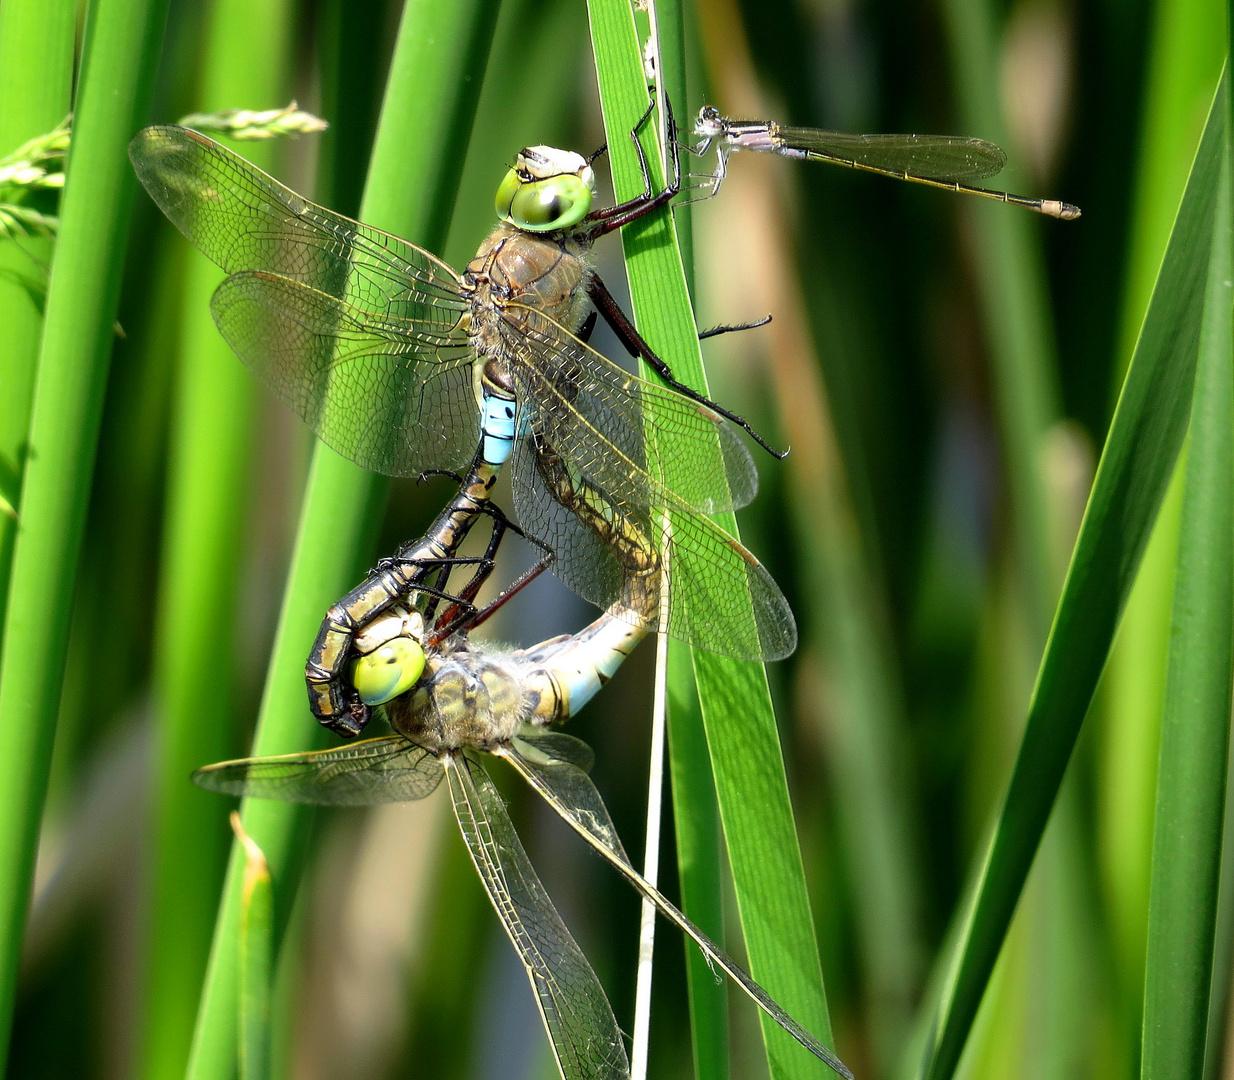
(709, 123)
(547, 190)
(391, 656)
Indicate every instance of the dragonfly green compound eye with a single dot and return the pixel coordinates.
(389, 670)
(558, 202)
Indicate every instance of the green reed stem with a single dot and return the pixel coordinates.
(1184, 64)
(36, 83)
(254, 960)
(696, 815)
(116, 80)
(1135, 468)
(429, 106)
(734, 696)
(1017, 319)
(1195, 732)
(208, 508)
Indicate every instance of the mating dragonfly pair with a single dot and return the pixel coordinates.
(448, 700)
(396, 361)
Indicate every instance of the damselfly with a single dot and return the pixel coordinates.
(950, 162)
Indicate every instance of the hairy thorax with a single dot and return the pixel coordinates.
(475, 699)
(512, 267)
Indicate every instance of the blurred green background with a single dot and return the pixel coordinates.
(945, 372)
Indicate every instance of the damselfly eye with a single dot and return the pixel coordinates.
(389, 670)
(544, 205)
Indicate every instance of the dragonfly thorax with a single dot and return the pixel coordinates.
(512, 267)
(474, 699)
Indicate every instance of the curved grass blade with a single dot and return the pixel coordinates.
(1195, 728)
(256, 955)
(581, 1027)
(1183, 63)
(1136, 464)
(570, 792)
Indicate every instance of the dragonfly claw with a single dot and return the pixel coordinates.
(350, 723)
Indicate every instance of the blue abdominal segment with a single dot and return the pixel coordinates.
(498, 422)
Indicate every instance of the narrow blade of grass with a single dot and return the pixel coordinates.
(1017, 320)
(734, 697)
(427, 114)
(696, 821)
(1135, 467)
(1182, 69)
(1187, 53)
(696, 816)
(1195, 727)
(115, 87)
(207, 511)
(843, 609)
(255, 958)
(36, 82)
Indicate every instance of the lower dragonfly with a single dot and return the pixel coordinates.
(950, 162)
(448, 700)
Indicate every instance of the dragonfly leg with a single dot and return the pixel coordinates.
(731, 328)
(611, 218)
(636, 345)
(462, 607)
(709, 181)
(468, 621)
(584, 332)
(428, 474)
(463, 615)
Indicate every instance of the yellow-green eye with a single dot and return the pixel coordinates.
(506, 191)
(543, 205)
(389, 670)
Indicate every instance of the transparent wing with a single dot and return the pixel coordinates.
(361, 382)
(935, 157)
(570, 792)
(243, 219)
(720, 597)
(556, 746)
(597, 417)
(581, 1027)
(386, 770)
(389, 290)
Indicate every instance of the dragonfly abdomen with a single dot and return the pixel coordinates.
(576, 666)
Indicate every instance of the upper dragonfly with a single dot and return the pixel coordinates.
(387, 352)
(950, 162)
